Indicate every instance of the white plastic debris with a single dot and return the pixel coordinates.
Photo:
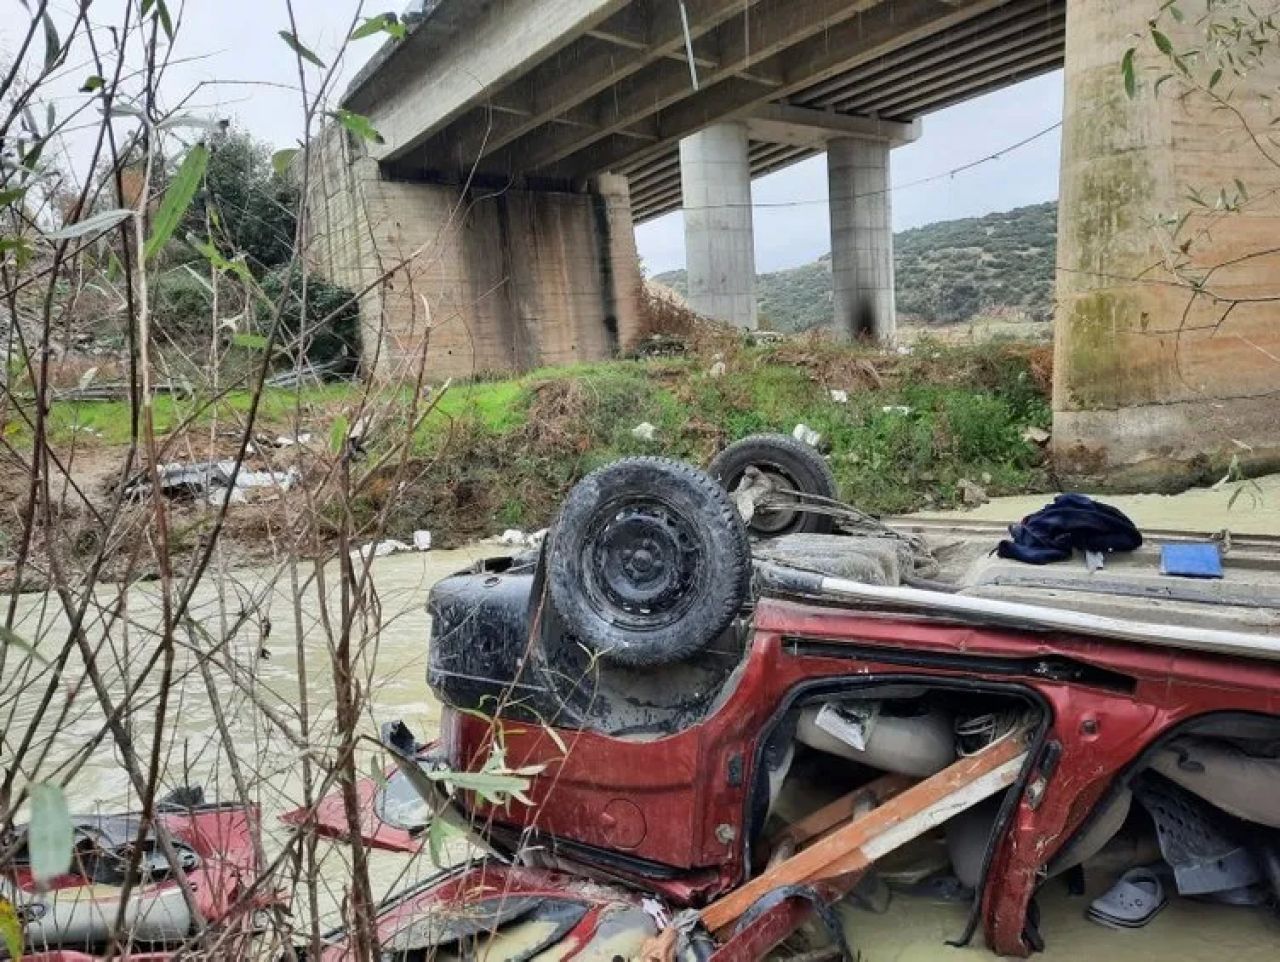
(217, 497)
(802, 432)
(284, 441)
(718, 369)
(896, 409)
(644, 431)
(380, 549)
(515, 538)
(422, 540)
(1035, 435)
(840, 397)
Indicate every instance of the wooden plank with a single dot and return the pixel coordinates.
(853, 847)
(804, 830)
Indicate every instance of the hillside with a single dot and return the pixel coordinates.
(999, 265)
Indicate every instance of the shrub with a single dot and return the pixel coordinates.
(255, 208)
(329, 334)
(181, 303)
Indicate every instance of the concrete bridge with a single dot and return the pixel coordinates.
(523, 139)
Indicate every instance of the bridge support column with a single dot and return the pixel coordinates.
(861, 238)
(715, 176)
(1158, 384)
(473, 281)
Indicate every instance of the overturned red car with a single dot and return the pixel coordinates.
(748, 707)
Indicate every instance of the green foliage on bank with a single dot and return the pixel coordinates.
(503, 454)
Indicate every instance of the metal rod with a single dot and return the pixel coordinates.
(1030, 617)
(688, 46)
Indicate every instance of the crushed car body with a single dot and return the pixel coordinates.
(750, 721)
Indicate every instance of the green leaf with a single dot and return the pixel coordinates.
(11, 196)
(387, 23)
(49, 837)
(214, 257)
(166, 23)
(52, 44)
(253, 342)
(1162, 42)
(1213, 81)
(1240, 189)
(372, 25)
(11, 929)
(20, 247)
(358, 124)
(338, 434)
(104, 220)
(493, 787)
(1130, 78)
(296, 45)
(92, 83)
(177, 199)
(437, 835)
(377, 768)
(282, 159)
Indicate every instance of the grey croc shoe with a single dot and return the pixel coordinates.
(1135, 899)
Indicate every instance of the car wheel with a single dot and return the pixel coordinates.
(649, 561)
(787, 465)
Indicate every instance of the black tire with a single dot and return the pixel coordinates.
(795, 464)
(649, 561)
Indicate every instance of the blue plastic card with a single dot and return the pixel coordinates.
(1196, 560)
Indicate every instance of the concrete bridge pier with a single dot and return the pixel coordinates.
(719, 238)
(1156, 383)
(715, 180)
(861, 238)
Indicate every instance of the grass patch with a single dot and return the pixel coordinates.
(503, 453)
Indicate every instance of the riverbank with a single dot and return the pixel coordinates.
(906, 431)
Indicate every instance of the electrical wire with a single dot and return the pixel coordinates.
(932, 178)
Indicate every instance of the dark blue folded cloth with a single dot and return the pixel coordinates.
(1071, 521)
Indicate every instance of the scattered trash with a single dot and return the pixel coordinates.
(644, 431)
(422, 540)
(381, 549)
(515, 538)
(1035, 435)
(972, 493)
(213, 479)
(896, 409)
(718, 369)
(1094, 560)
(840, 397)
(283, 441)
(808, 435)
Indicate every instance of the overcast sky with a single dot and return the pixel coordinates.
(230, 53)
